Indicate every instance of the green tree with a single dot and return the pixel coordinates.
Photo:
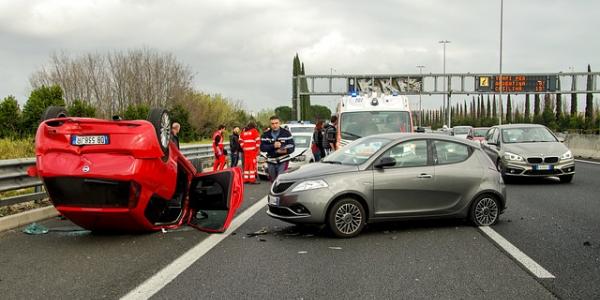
(10, 115)
(178, 114)
(558, 102)
(136, 112)
(305, 99)
(548, 117)
(508, 110)
(320, 112)
(81, 108)
(589, 102)
(284, 112)
(527, 116)
(40, 99)
(537, 117)
(573, 99)
(494, 108)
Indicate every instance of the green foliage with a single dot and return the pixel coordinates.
(178, 114)
(508, 110)
(38, 101)
(10, 116)
(81, 108)
(262, 118)
(589, 102)
(16, 148)
(284, 112)
(320, 112)
(136, 112)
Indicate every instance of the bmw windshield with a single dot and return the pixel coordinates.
(527, 135)
(356, 152)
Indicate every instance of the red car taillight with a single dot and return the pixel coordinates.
(134, 194)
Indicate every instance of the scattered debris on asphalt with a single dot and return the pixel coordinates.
(262, 240)
(163, 230)
(35, 229)
(335, 248)
(394, 238)
(259, 232)
(587, 243)
(302, 252)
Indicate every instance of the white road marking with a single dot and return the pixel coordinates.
(588, 162)
(517, 254)
(155, 283)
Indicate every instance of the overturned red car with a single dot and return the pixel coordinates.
(129, 176)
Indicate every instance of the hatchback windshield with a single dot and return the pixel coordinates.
(356, 152)
(527, 135)
(360, 124)
(461, 130)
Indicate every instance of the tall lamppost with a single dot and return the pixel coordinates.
(446, 99)
(420, 90)
(501, 87)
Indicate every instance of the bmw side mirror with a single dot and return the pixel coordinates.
(385, 162)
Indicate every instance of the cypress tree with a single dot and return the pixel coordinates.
(573, 98)
(483, 110)
(489, 109)
(527, 117)
(558, 102)
(536, 105)
(295, 72)
(494, 108)
(508, 110)
(589, 101)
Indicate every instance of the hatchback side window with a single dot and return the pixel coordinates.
(489, 136)
(409, 154)
(450, 152)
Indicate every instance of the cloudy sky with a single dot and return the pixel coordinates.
(244, 49)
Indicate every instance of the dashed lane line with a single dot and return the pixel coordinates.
(517, 254)
(159, 280)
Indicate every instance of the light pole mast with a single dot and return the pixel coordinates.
(421, 89)
(446, 99)
(501, 87)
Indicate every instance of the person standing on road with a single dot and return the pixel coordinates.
(234, 146)
(250, 143)
(330, 136)
(219, 149)
(317, 142)
(278, 144)
(174, 133)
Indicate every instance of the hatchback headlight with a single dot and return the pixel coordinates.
(567, 155)
(310, 185)
(512, 156)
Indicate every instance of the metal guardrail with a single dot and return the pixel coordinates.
(13, 173)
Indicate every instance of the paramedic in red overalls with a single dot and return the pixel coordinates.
(250, 143)
(219, 149)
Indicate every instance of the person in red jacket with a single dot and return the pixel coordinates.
(219, 149)
(250, 143)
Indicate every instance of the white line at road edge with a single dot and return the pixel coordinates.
(588, 162)
(517, 254)
(155, 283)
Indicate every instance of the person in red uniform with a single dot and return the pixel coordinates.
(219, 149)
(250, 143)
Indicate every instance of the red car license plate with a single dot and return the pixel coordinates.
(79, 140)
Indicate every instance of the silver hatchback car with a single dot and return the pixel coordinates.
(392, 177)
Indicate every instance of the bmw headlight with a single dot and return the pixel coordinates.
(310, 185)
(512, 156)
(567, 155)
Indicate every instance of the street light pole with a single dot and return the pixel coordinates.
(420, 107)
(501, 87)
(446, 99)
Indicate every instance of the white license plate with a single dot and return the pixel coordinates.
(79, 140)
(544, 167)
(273, 200)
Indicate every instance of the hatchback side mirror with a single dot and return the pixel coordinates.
(385, 162)
(561, 139)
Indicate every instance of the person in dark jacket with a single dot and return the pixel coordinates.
(234, 146)
(174, 133)
(317, 144)
(278, 144)
(330, 136)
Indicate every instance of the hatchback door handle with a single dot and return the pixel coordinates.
(423, 175)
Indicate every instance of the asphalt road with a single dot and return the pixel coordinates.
(555, 224)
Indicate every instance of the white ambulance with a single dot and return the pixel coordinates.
(372, 113)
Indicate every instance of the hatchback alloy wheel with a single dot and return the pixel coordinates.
(485, 211)
(347, 218)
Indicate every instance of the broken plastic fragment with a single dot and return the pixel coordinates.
(302, 252)
(163, 230)
(35, 229)
(335, 248)
(260, 232)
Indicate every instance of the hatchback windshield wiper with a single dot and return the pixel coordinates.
(351, 134)
(332, 162)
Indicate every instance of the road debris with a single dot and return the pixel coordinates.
(35, 229)
(335, 248)
(587, 243)
(259, 232)
(302, 252)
